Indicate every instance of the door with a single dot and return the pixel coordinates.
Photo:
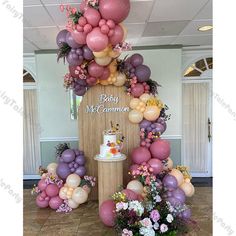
(197, 122)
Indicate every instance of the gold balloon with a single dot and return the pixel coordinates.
(79, 195)
(135, 186)
(104, 82)
(63, 193)
(145, 97)
(178, 175)
(51, 168)
(73, 181)
(113, 54)
(188, 189)
(73, 204)
(134, 102)
(113, 67)
(120, 80)
(125, 32)
(135, 116)
(103, 61)
(151, 113)
(100, 54)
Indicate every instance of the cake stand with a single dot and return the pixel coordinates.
(110, 176)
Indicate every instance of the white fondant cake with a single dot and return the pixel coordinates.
(112, 145)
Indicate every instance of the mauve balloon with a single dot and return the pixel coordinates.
(73, 59)
(71, 42)
(76, 152)
(81, 171)
(80, 160)
(144, 124)
(80, 91)
(170, 182)
(186, 214)
(61, 38)
(68, 155)
(142, 73)
(63, 170)
(136, 59)
(179, 194)
(87, 53)
(173, 201)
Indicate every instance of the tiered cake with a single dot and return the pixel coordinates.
(112, 144)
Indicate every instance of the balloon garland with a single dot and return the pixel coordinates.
(154, 200)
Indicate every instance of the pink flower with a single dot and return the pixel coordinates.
(154, 215)
(146, 222)
(163, 228)
(127, 232)
(73, 10)
(62, 8)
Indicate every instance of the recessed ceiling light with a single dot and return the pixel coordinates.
(205, 28)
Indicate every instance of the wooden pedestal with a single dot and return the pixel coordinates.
(110, 178)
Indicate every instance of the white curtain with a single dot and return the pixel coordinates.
(31, 128)
(195, 126)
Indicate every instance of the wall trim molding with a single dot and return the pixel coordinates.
(25, 177)
(62, 139)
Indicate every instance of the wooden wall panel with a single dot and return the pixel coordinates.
(92, 125)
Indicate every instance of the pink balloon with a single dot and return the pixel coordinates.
(88, 28)
(41, 203)
(52, 190)
(116, 10)
(105, 74)
(96, 40)
(117, 36)
(156, 165)
(93, 16)
(140, 155)
(95, 70)
(55, 202)
(137, 90)
(131, 195)
(79, 37)
(133, 167)
(107, 213)
(42, 185)
(105, 29)
(43, 194)
(91, 81)
(160, 149)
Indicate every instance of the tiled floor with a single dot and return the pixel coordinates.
(84, 221)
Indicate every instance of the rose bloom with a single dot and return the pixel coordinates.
(146, 222)
(154, 215)
(163, 228)
(169, 218)
(127, 232)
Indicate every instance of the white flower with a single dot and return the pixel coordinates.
(146, 231)
(157, 198)
(169, 218)
(163, 228)
(156, 226)
(146, 222)
(121, 206)
(137, 207)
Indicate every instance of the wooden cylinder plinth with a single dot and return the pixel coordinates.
(110, 178)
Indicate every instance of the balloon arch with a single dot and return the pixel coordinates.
(91, 44)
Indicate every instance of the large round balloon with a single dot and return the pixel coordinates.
(42, 185)
(134, 102)
(107, 213)
(170, 182)
(79, 37)
(135, 116)
(156, 165)
(144, 124)
(79, 195)
(131, 195)
(136, 59)
(151, 113)
(145, 97)
(95, 70)
(63, 193)
(140, 155)
(61, 38)
(68, 155)
(118, 35)
(160, 149)
(179, 194)
(52, 190)
(96, 40)
(137, 90)
(142, 73)
(178, 175)
(135, 186)
(92, 16)
(87, 53)
(55, 202)
(63, 170)
(116, 10)
(71, 42)
(73, 181)
(188, 189)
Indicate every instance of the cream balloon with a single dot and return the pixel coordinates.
(63, 193)
(135, 186)
(135, 116)
(73, 204)
(151, 113)
(113, 54)
(73, 181)
(178, 175)
(145, 97)
(80, 195)
(169, 164)
(120, 80)
(125, 31)
(100, 54)
(188, 189)
(103, 61)
(51, 168)
(134, 102)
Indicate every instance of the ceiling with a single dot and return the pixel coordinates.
(150, 22)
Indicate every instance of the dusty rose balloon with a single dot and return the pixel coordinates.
(79, 195)
(92, 16)
(91, 81)
(160, 149)
(55, 202)
(52, 190)
(156, 165)
(131, 195)
(95, 70)
(105, 75)
(96, 40)
(116, 10)
(135, 116)
(137, 90)
(42, 184)
(140, 155)
(151, 113)
(41, 203)
(107, 213)
(135, 186)
(134, 167)
(117, 36)
(79, 37)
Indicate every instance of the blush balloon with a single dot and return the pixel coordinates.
(156, 165)
(41, 203)
(71, 42)
(140, 155)
(42, 185)
(137, 90)
(92, 16)
(131, 195)
(95, 70)
(107, 213)
(79, 37)
(105, 74)
(55, 202)
(52, 190)
(160, 149)
(117, 36)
